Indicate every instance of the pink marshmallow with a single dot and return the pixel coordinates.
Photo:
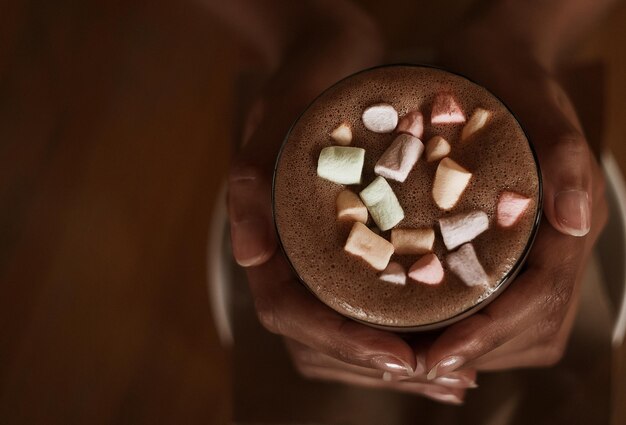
(394, 273)
(464, 263)
(460, 228)
(446, 111)
(412, 123)
(510, 208)
(399, 158)
(427, 270)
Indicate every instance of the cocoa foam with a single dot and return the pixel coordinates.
(499, 157)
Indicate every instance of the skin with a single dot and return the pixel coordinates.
(529, 324)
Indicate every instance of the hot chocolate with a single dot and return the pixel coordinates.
(462, 172)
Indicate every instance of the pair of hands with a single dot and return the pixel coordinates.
(526, 326)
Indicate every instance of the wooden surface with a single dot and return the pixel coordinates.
(112, 150)
(114, 130)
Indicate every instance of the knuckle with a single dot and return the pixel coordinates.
(490, 335)
(306, 371)
(242, 171)
(552, 354)
(550, 326)
(342, 350)
(267, 314)
(571, 142)
(559, 291)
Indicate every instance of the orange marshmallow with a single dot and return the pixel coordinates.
(368, 246)
(412, 241)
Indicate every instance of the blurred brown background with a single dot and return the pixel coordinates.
(115, 124)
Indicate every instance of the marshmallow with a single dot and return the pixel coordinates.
(342, 135)
(510, 208)
(341, 164)
(446, 111)
(368, 246)
(380, 118)
(461, 228)
(466, 266)
(399, 158)
(412, 123)
(427, 270)
(450, 181)
(382, 204)
(413, 241)
(476, 122)
(394, 273)
(350, 207)
(437, 148)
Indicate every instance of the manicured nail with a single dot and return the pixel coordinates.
(392, 365)
(444, 397)
(250, 241)
(445, 366)
(456, 380)
(572, 211)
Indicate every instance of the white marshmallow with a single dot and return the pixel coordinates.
(511, 207)
(446, 110)
(380, 118)
(476, 122)
(450, 182)
(413, 241)
(350, 207)
(342, 135)
(368, 246)
(399, 158)
(461, 228)
(412, 123)
(394, 273)
(464, 263)
(382, 204)
(427, 270)
(341, 164)
(437, 148)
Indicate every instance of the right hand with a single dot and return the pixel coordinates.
(324, 344)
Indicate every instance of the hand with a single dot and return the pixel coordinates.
(323, 344)
(529, 324)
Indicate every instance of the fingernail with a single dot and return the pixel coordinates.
(572, 211)
(443, 396)
(445, 366)
(392, 365)
(250, 241)
(456, 380)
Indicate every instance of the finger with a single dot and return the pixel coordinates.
(567, 186)
(285, 307)
(563, 152)
(544, 290)
(435, 392)
(251, 224)
(542, 345)
(304, 356)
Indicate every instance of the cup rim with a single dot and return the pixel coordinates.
(506, 279)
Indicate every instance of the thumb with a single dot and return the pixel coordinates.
(249, 206)
(564, 156)
(566, 167)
